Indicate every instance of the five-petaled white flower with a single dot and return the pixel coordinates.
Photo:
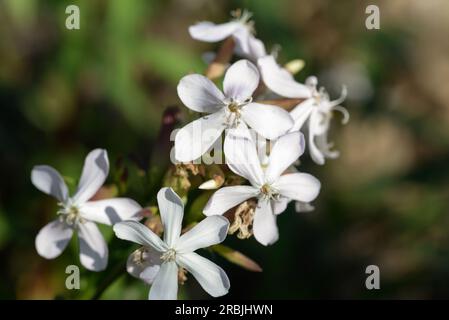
(241, 29)
(315, 111)
(78, 213)
(272, 188)
(157, 262)
(225, 111)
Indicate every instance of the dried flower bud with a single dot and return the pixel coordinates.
(243, 220)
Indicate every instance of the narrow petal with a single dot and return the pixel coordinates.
(301, 113)
(209, 231)
(264, 225)
(165, 285)
(93, 247)
(315, 153)
(53, 239)
(269, 121)
(138, 233)
(49, 181)
(286, 150)
(171, 210)
(298, 186)
(200, 94)
(144, 263)
(240, 81)
(210, 276)
(95, 171)
(192, 141)
(280, 81)
(228, 197)
(111, 211)
(241, 154)
(211, 32)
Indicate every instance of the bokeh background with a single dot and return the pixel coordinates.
(384, 201)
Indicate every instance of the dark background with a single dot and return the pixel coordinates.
(384, 201)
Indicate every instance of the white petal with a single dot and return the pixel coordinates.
(139, 233)
(95, 171)
(144, 263)
(93, 247)
(280, 205)
(315, 153)
(241, 154)
(240, 81)
(200, 94)
(209, 231)
(264, 225)
(228, 197)
(210, 276)
(298, 186)
(241, 38)
(171, 210)
(269, 121)
(165, 285)
(280, 81)
(53, 239)
(301, 113)
(286, 150)
(192, 141)
(319, 122)
(211, 32)
(49, 181)
(256, 48)
(111, 211)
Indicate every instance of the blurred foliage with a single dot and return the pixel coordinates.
(384, 201)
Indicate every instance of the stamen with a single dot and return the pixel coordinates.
(169, 255)
(344, 112)
(267, 192)
(70, 214)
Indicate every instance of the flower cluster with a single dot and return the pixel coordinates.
(254, 187)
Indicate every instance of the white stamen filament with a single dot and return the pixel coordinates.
(70, 214)
(267, 192)
(169, 255)
(233, 112)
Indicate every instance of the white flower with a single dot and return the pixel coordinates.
(78, 213)
(157, 262)
(241, 29)
(315, 111)
(270, 186)
(225, 110)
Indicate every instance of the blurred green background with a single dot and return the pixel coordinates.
(384, 201)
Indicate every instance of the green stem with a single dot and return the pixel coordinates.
(115, 273)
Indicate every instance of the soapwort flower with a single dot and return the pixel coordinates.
(315, 111)
(79, 213)
(158, 261)
(269, 185)
(225, 111)
(240, 28)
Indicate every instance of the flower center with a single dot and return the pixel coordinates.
(70, 214)
(169, 255)
(267, 192)
(234, 107)
(233, 111)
